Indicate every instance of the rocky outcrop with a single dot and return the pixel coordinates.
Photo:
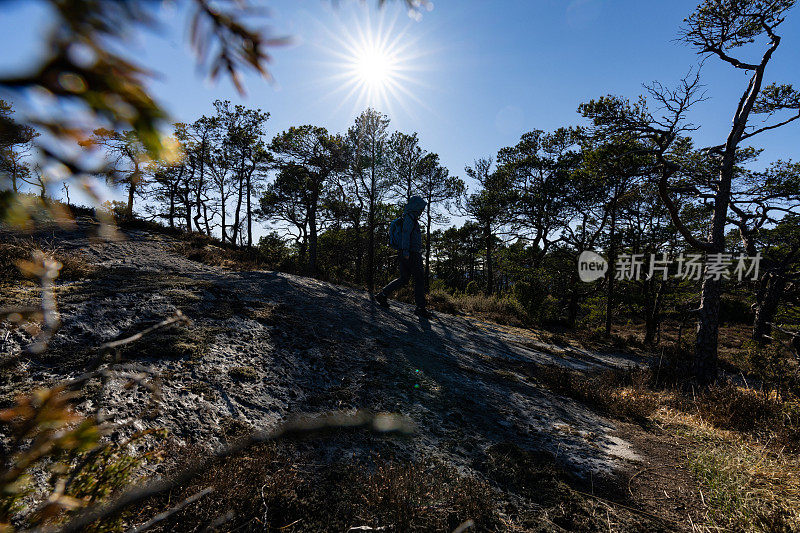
(262, 345)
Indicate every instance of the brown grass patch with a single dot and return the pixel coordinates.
(212, 252)
(622, 393)
(506, 311)
(761, 415)
(17, 250)
(745, 485)
(269, 488)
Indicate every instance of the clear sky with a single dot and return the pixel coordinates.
(471, 75)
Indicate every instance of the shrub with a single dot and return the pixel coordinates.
(530, 296)
(735, 311)
(504, 310)
(115, 209)
(424, 496)
(266, 488)
(443, 301)
(772, 365)
(673, 367)
(46, 431)
(761, 414)
(472, 288)
(210, 251)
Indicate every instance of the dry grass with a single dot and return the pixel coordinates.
(729, 406)
(507, 311)
(622, 393)
(746, 485)
(636, 394)
(501, 310)
(271, 487)
(749, 487)
(424, 496)
(212, 252)
(744, 442)
(15, 251)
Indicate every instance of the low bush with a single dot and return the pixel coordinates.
(243, 373)
(771, 365)
(759, 414)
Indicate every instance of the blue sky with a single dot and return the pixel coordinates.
(483, 71)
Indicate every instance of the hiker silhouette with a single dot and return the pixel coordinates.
(406, 237)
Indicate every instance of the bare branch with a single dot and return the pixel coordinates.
(176, 318)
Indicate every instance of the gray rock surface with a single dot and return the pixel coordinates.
(263, 345)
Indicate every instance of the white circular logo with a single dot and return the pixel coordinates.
(591, 266)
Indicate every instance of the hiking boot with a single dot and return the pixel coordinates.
(422, 312)
(382, 301)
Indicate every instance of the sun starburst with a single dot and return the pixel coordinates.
(375, 63)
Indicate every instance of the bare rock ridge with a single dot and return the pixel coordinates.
(262, 345)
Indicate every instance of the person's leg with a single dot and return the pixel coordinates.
(405, 275)
(418, 272)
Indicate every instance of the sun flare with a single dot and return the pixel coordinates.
(376, 63)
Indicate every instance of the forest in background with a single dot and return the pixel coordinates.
(327, 199)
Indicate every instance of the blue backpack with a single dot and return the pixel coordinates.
(396, 233)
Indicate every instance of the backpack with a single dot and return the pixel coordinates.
(396, 233)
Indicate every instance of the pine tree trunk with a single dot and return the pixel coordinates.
(489, 273)
(312, 239)
(371, 248)
(572, 309)
(222, 216)
(172, 207)
(205, 219)
(705, 362)
(129, 207)
(359, 251)
(428, 250)
(767, 301)
(653, 314)
(612, 253)
(187, 205)
(14, 177)
(239, 200)
(371, 225)
(705, 356)
(249, 214)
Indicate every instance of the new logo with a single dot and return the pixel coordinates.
(591, 266)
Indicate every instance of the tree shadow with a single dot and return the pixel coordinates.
(444, 373)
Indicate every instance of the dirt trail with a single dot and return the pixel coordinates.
(266, 344)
